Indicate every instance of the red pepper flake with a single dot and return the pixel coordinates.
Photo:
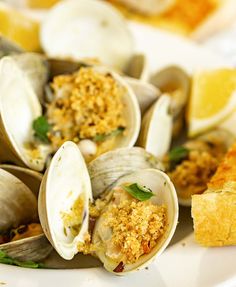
(119, 268)
(146, 247)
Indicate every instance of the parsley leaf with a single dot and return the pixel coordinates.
(41, 128)
(5, 259)
(103, 137)
(138, 191)
(177, 155)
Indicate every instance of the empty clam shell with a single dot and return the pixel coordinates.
(164, 194)
(156, 129)
(19, 206)
(107, 168)
(65, 183)
(65, 32)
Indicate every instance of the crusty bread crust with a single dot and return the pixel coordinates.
(214, 212)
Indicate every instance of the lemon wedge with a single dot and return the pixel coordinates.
(212, 99)
(19, 28)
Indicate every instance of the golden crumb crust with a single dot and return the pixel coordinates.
(86, 104)
(214, 212)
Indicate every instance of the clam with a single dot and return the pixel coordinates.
(156, 130)
(65, 184)
(65, 206)
(193, 164)
(110, 166)
(19, 106)
(145, 92)
(29, 177)
(7, 47)
(175, 82)
(19, 144)
(19, 206)
(138, 68)
(65, 31)
(36, 69)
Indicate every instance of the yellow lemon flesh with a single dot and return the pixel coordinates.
(212, 99)
(19, 28)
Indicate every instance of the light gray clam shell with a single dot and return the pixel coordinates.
(36, 68)
(107, 168)
(7, 47)
(18, 206)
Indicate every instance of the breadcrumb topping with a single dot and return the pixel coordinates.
(86, 103)
(192, 175)
(131, 228)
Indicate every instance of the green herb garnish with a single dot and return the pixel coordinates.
(138, 191)
(103, 137)
(177, 155)
(5, 259)
(41, 128)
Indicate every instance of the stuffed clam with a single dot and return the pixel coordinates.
(144, 201)
(21, 235)
(89, 105)
(191, 165)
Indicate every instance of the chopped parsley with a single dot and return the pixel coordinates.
(138, 191)
(41, 128)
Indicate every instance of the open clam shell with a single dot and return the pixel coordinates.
(17, 144)
(215, 143)
(60, 36)
(145, 92)
(65, 182)
(164, 194)
(19, 106)
(138, 68)
(156, 130)
(29, 177)
(36, 69)
(8, 48)
(110, 166)
(19, 206)
(174, 81)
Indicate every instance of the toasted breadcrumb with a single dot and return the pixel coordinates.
(87, 103)
(136, 227)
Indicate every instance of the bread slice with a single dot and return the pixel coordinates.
(214, 212)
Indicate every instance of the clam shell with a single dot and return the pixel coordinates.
(36, 69)
(16, 120)
(138, 68)
(64, 181)
(19, 206)
(145, 92)
(176, 82)
(215, 135)
(156, 130)
(29, 177)
(7, 47)
(108, 167)
(19, 106)
(60, 37)
(165, 194)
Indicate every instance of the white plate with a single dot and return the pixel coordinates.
(184, 263)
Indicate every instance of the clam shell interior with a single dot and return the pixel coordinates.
(165, 194)
(65, 180)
